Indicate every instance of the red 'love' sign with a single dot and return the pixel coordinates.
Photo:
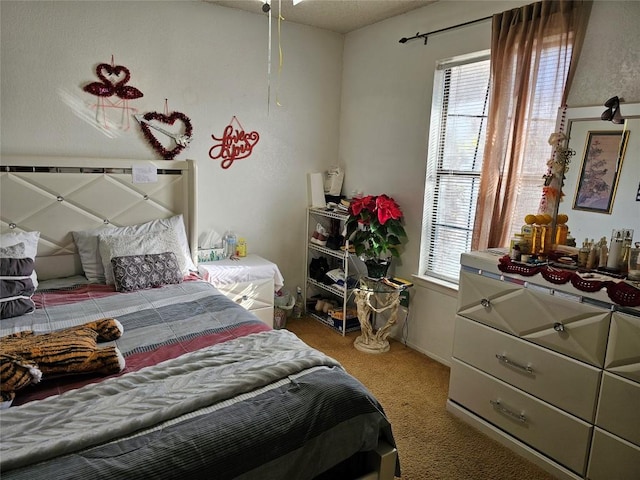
(235, 144)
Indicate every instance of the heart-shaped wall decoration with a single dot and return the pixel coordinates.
(181, 139)
(119, 74)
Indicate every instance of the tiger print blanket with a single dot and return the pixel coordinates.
(26, 358)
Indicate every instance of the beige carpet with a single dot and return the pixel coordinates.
(412, 388)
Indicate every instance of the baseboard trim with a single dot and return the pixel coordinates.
(432, 356)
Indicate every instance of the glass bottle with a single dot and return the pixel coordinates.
(528, 232)
(515, 247)
(562, 230)
(633, 269)
(583, 254)
(604, 253)
(592, 259)
(298, 307)
(623, 266)
(615, 251)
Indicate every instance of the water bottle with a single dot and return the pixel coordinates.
(298, 307)
(229, 242)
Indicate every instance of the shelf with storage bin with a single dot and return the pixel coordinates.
(315, 288)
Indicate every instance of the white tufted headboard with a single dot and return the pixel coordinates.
(58, 195)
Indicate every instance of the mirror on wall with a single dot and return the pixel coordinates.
(598, 197)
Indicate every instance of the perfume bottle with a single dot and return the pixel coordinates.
(592, 260)
(603, 254)
(623, 266)
(615, 250)
(633, 271)
(583, 254)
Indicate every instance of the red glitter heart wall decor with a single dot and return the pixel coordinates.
(181, 139)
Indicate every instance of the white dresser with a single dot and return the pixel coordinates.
(249, 281)
(551, 371)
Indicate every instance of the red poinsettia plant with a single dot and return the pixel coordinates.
(374, 227)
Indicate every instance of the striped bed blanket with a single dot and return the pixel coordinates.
(209, 391)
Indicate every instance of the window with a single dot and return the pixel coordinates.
(455, 157)
(454, 163)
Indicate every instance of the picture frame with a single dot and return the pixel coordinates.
(600, 170)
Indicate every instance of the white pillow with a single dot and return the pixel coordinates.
(87, 243)
(30, 241)
(111, 246)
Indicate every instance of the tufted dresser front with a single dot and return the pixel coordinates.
(551, 371)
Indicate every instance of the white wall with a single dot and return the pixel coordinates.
(210, 63)
(610, 61)
(386, 102)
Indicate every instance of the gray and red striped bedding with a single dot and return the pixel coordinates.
(208, 392)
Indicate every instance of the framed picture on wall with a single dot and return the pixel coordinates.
(600, 171)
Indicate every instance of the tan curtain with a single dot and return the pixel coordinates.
(517, 40)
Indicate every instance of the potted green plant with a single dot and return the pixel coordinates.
(375, 230)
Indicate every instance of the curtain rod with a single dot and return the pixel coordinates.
(426, 35)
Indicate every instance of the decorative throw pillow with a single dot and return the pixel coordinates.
(30, 242)
(13, 251)
(135, 272)
(29, 239)
(16, 287)
(141, 244)
(88, 247)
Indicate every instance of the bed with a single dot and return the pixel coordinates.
(208, 390)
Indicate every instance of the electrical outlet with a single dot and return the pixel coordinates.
(404, 298)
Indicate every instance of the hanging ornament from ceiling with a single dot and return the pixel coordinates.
(267, 9)
(150, 123)
(113, 83)
(234, 144)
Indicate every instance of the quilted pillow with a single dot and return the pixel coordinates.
(16, 287)
(141, 244)
(135, 272)
(20, 245)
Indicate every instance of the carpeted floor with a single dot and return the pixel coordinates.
(412, 388)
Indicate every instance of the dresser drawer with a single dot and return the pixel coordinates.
(623, 351)
(619, 408)
(559, 380)
(553, 321)
(613, 458)
(555, 433)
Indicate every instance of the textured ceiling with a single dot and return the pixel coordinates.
(340, 16)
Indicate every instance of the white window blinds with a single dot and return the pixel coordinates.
(454, 163)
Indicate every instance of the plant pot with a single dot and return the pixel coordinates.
(377, 268)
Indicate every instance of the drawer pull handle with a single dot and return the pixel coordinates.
(558, 327)
(485, 302)
(510, 363)
(509, 413)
